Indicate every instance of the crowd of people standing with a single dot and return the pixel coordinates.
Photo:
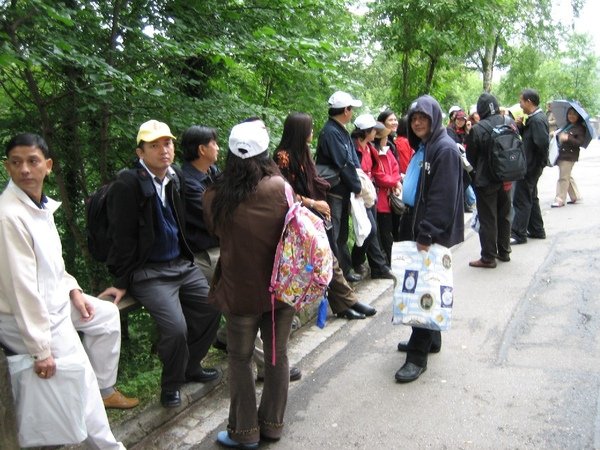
(197, 243)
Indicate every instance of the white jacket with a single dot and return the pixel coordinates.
(34, 286)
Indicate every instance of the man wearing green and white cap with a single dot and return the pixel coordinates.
(151, 259)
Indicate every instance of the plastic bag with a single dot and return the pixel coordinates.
(553, 150)
(322, 313)
(49, 411)
(423, 296)
(360, 220)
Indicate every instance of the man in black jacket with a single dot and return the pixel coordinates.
(336, 149)
(433, 192)
(493, 197)
(151, 259)
(527, 221)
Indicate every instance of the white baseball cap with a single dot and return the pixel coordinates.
(249, 139)
(342, 99)
(366, 121)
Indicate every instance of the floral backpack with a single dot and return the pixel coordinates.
(303, 264)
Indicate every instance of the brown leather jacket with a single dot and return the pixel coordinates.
(248, 244)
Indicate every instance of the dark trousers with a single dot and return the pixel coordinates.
(246, 423)
(339, 293)
(526, 205)
(370, 248)
(174, 293)
(385, 226)
(493, 208)
(340, 210)
(420, 344)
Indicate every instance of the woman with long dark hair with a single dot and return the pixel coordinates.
(246, 209)
(297, 166)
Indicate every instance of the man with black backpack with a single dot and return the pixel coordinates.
(527, 221)
(151, 259)
(492, 195)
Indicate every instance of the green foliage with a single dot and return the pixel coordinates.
(571, 73)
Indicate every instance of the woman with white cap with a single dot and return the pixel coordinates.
(363, 136)
(245, 209)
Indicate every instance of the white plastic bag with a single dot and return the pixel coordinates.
(360, 220)
(49, 411)
(553, 150)
(475, 222)
(368, 191)
(423, 294)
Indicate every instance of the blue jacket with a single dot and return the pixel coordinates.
(439, 209)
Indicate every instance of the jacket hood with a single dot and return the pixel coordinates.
(487, 105)
(431, 108)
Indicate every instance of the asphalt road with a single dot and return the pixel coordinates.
(518, 370)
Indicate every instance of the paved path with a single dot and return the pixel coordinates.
(519, 369)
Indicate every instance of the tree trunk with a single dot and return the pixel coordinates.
(487, 63)
(8, 420)
(430, 72)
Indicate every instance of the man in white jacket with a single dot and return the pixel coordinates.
(39, 300)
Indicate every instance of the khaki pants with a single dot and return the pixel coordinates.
(566, 184)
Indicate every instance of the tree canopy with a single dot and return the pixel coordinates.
(85, 74)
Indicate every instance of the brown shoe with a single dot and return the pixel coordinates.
(116, 400)
(483, 263)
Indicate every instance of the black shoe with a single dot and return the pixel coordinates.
(361, 270)
(220, 345)
(350, 314)
(295, 374)
(403, 347)
(203, 375)
(409, 372)
(517, 241)
(367, 310)
(170, 399)
(536, 235)
(386, 274)
(352, 277)
(504, 257)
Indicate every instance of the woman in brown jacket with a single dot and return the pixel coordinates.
(245, 209)
(570, 138)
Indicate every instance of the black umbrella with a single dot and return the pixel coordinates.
(560, 108)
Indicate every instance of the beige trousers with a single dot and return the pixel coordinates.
(566, 183)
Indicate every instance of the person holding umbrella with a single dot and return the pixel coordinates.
(571, 135)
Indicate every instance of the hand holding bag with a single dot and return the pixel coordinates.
(396, 204)
(49, 411)
(423, 294)
(360, 220)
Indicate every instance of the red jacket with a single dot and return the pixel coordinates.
(405, 152)
(386, 179)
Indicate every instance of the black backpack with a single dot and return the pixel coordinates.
(98, 239)
(507, 160)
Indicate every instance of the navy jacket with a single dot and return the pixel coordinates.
(336, 149)
(196, 184)
(438, 215)
(132, 222)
